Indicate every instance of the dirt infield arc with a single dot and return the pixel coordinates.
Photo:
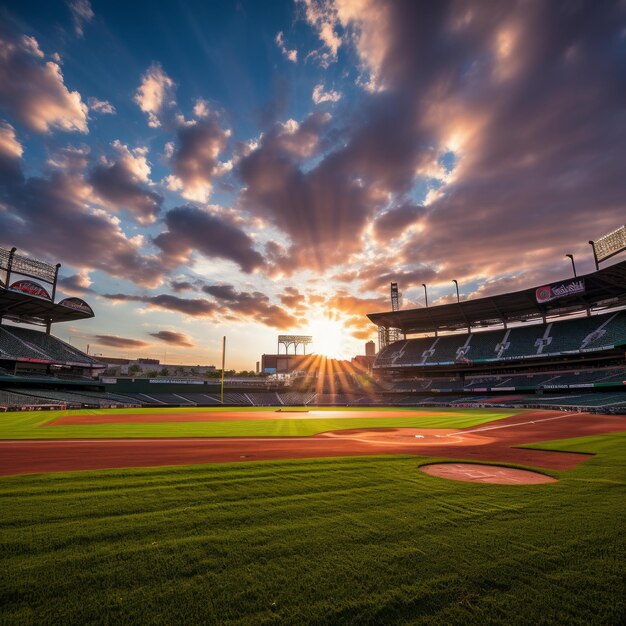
(495, 441)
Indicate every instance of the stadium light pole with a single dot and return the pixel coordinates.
(457, 290)
(595, 254)
(425, 294)
(571, 258)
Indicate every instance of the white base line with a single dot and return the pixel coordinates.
(478, 430)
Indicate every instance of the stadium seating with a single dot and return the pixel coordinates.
(17, 342)
(580, 335)
(296, 398)
(200, 398)
(12, 399)
(264, 398)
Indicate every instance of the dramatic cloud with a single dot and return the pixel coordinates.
(325, 208)
(82, 13)
(112, 341)
(194, 159)
(51, 217)
(214, 236)
(76, 284)
(156, 95)
(227, 305)
(121, 183)
(32, 89)
(195, 307)
(103, 107)
(10, 154)
(173, 337)
(319, 95)
(322, 16)
(395, 221)
(253, 305)
(291, 55)
(293, 299)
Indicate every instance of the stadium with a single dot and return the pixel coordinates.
(312, 313)
(523, 391)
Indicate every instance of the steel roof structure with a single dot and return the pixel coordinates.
(603, 289)
(22, 307)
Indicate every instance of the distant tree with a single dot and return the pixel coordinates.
(134, 369)
(164, 372)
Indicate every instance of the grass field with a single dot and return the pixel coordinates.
(28, 424)
(351, 541)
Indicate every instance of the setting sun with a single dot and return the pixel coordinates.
(329, 338)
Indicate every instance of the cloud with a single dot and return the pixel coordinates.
(194, 158)
(394, 222)
(32, 90)
(82, 13)
(254, 305)
(293, 299)
(194, 307)
(325, 207)
(291, 55)
(11, 151)
(156, 95)
(52, 217)
(76, 284)
(113, 341)
(322, 16)
(227, 304)
(475, 113)
(121, 183)
(103, 107)
(70, 159)
(173, 337)
(190, 229)
(319, 95)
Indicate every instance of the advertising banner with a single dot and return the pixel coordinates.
(77, 304)
(563, 289)
(31, 288)
(177, 381)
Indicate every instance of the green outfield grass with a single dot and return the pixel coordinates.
(30, 425)
(330, 541)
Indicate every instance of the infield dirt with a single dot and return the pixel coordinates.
(495, 442)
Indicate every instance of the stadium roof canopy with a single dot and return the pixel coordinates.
(605, 288)
(22, 307)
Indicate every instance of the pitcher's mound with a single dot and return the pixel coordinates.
(474, 473)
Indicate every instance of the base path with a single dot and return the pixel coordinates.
(494, 441)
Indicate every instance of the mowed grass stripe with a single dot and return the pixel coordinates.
(35, 425)
(323, 541)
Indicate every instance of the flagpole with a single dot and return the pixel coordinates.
(223, 366)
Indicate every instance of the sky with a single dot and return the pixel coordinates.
(245, 169)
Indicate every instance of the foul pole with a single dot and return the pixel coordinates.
(223, 365)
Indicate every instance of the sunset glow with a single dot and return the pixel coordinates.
(250, 169)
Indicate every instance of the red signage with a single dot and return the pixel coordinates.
(31, 288)
(77, 304)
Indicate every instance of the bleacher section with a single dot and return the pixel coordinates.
(12, 399)
(296, 398)
(573, 336)
(264, 398)
(17, 343)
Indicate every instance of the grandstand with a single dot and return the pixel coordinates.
(36, 368)
(568, 338)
